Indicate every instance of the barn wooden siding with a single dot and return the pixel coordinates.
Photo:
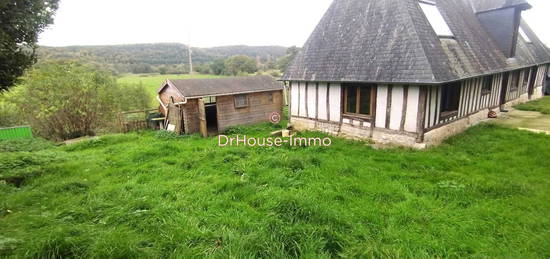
(260, 107)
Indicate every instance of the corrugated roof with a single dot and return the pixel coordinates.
(391, 41)
(224, 86)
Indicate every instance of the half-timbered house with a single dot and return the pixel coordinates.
(209, 106)
(413, 72)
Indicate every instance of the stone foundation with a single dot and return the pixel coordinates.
(390, 137)
(381, 136)
(436, 136)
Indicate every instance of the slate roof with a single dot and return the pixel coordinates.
(486, 5)
(391, 41)
(194, 88)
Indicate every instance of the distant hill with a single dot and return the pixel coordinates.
(134, 57)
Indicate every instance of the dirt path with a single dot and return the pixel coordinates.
(525, 120)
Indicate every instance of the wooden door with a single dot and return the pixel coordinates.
(504, 88)
(202, 119)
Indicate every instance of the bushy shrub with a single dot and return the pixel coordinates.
(8, 115)
(64, 99)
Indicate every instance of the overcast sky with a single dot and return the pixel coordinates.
(206, 23)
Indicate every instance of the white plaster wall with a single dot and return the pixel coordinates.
(396, 107)
(311, 101)
(412, 109)
(381, 104)
(303, 101)
(322, 106)
(294, 101)
(335, 96)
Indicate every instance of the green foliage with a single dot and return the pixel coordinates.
(132, 97)
(63, 100)
(203, 69)
(285, 61)
(163, 58)
(20, 23)
(9, 115)
(168, 135)
(25, 145)
(218, 67)
(240, 65)
(541, 105)
(480, 194)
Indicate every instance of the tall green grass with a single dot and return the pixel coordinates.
(484, 193)
(541, 105)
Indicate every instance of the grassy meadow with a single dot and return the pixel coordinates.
(484, 193)
(541, 105)
(153, 81)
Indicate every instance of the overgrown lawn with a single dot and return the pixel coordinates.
(484, 193)
(541, 105)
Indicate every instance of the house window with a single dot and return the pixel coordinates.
(209, 100)
(524, 35)
(435, 18)
(515, 81)
(487, 85)
(526, 76)
(269, 97)
(241, 101)
(450, 96)
(358, 100)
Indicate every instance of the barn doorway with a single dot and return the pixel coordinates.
(211, 112)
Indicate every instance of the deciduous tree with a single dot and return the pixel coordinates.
(20, 23)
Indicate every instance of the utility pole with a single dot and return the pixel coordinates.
(190, 59)
(190, 55)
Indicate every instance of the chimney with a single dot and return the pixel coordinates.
(501, 19)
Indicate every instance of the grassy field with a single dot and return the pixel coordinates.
(153, 81)
(484, 193)
(541, 105)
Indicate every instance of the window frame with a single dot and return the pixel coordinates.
(435, 19)
(270, 98)
(487, 85)
(210, 100)
(514, 82)
(371, 88)
(445, 113)
(526, 75)
(524, 35)
(239, 106)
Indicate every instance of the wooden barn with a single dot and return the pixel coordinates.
(413, 72)
(209, 106)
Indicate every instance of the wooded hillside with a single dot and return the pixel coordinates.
(144, 58)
